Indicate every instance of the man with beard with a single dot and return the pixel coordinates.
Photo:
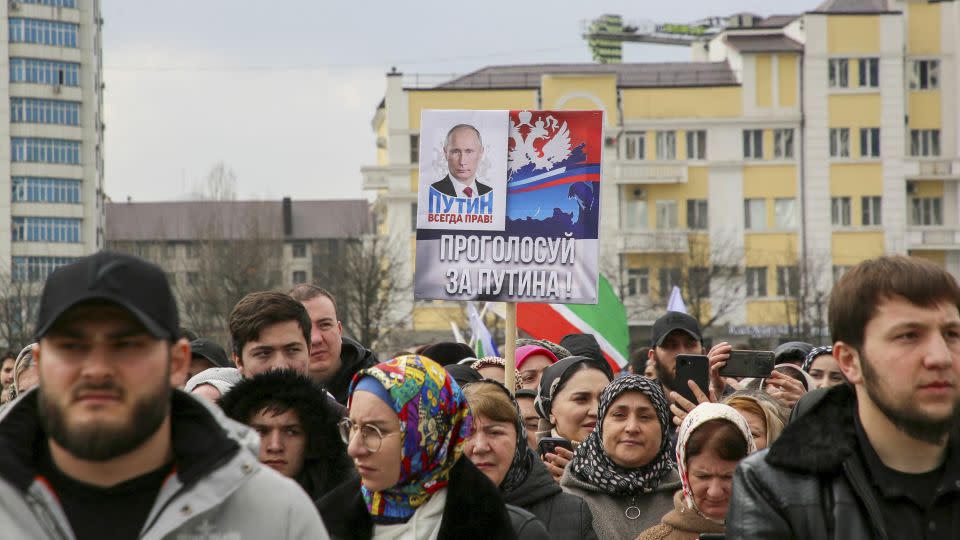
(877, 456)
(674, 333)
(104, 448)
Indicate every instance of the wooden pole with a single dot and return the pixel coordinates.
(510, 348)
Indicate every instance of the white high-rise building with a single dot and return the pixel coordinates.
(52, 114)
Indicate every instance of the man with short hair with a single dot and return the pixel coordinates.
(106, 435)
(269, 330)
(297, 426)
(463, 149)
(877, 456)
(674, 333)
(334, 359)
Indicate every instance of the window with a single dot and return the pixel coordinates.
(925, 142)
(414, 148)
(700, 281)
(43, 32)
(299, 250)
(32, 70)
(54, 3)
(44, 111)
(869, 72)
(869, 142)
(299, 276)
(788, 281)
(783, 143)
(839, 142)
(47, 190)
(697, 214)
(697, 144)
(753, 144)
(634, 214)
(638, 281)
(837, 71)
(634, 145)
(755, 214)
(840, 211)
(785, 214)
(666, 214)
(756, 281)
(870, 211)
(169, 251)
(413, 218)
(37, 268)
(669, 278)
(926, 211)
(193, 278)
(40, 150)
(191, 250)
(666, 145)
(924, 74)
(46, 229)
(839, 271)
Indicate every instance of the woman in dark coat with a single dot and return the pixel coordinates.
(499, 448)
(407, 425)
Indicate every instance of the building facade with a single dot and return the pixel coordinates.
(787, 150)
(54, 123)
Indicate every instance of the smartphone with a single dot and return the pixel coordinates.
(756, 364)
(549, 445)
(692, 367)
(712, 536)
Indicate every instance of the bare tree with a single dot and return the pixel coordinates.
(367, 280)
(805, 288)
(19, 300)
(220, 185)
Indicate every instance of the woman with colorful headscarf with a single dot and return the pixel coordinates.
(498, 448)
(407, 425)
(624, 470)
(713, 438)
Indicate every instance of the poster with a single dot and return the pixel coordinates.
(547, 247)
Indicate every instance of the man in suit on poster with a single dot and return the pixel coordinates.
(463, 149)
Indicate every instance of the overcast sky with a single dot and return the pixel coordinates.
(283, 91)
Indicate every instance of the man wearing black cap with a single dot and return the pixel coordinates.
(205, 354)
(674, 333)
(105, 435)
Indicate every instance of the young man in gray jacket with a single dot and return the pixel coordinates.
(104, 448)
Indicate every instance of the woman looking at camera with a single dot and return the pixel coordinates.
(567, 402)
(713, 438)
(625, 470)
(407, 425)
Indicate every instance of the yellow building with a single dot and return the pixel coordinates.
(786, 151)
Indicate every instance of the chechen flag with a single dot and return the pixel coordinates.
(607, 321)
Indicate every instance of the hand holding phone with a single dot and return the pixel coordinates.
(756, 364)
(549, 445)
(692, 367)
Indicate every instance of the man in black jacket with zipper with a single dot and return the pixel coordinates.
(878, 457)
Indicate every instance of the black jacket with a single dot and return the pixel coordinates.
(822, 491)
(473, 509)
(353, 358)
(445, 186)
(565, 516)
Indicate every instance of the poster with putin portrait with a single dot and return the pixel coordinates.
(509, 206)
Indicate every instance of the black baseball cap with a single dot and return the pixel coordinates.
(130, 282)
(674, 320)
(211, 352)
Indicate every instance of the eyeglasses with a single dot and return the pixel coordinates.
(370, 435)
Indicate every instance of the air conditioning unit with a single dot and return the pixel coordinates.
(14, 5)
(911, 188)
(639, 193)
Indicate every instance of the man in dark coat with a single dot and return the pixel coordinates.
(297, 427)
(878, 456)
(463, 149)
(334, 359)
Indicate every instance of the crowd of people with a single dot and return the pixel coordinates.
(118, 423)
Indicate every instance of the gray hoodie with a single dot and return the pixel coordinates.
(218, 491)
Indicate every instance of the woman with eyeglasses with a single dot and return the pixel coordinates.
(405, 431)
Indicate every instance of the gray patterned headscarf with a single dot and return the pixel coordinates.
(591, 462)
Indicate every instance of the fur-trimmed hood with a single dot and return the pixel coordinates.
(326, 463)
(826, 433)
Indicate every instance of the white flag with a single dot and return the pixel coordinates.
(676, 301)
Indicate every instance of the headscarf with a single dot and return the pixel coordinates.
(697, 417)
(557, 350)
(527, 351)
(523, 456)
(435, 421)
(554, 377)
(813, 354)
(488, 361)
(221, 378)
(463, 374)
(593, 465)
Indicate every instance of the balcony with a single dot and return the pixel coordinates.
(391, 177)
(934, 238)
(931, 169)
(659, 241)
(640, 172)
